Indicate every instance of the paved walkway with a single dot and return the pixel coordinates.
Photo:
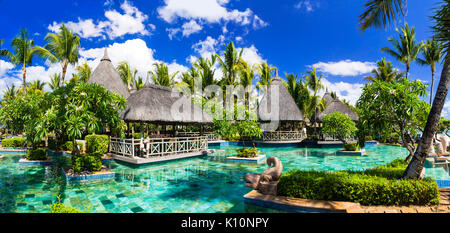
(348, 207)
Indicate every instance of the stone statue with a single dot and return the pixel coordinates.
(266, 183)
(444, 142)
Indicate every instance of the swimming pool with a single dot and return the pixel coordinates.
(207, 184)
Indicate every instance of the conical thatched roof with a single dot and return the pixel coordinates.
(328, 98)
(288, 110)
(158, 104)
(106, 75)
(337, 106)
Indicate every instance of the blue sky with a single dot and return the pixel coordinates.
(292, 35)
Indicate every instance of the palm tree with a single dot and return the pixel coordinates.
(442, 34)
(64, 46)
(385, 71)
(24, 52)
(161, 75)
(138, 83)
(265, 73)
(55, 81)
(36, 86)
(293, 86)
(314, 82)
(432, 54)
(10, 93)
(127, 74)
(246, 77)
(189, 78)
(406, 49)
(379, 13)
(84, 71)
(206, 71)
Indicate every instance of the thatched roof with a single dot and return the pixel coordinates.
(328, 98)
(158, 104)
(337, 106)
(106, 75)
(288, 110)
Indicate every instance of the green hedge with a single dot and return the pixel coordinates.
(97, 144)
(378, 186)
(87, 162)
(68, 146)
(351, 146)
(37, 154)
(14, 142)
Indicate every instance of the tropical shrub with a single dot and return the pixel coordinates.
(378, 186)
(37, 154)
(89, 162)
(369, 138)
(351, 146)
(394, 138)
(14, 142)
(97, 144)
(68, 146)
(247, 152)
(61, 208)
(339, 125)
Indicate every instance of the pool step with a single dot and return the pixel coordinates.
(445, 195)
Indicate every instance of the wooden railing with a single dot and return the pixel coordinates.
(211, 136)
(157, 146)
(283, 136)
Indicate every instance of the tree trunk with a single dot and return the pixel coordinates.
(432, 86)
(24, 78)
(415, 167)
(63, 75)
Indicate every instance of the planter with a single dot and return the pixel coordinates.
(351, 153)
(105, 173)
(26, 162)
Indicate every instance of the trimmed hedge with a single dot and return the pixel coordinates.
(97, 144)
(37, 154)
(14, 142)
(89, 162)
(378, 186)
(351, 146)
(68, 146)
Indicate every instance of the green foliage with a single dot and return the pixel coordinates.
(97, 144)
(247, 152)
(378, 186)
(339, 125)
(351, 146)
(16, 142)
(88, 162)
(37, 154)
(68, 146)
(60, 208)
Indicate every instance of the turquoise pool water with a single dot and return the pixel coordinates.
(207, 184)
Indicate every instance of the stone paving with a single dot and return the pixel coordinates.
(350, 207)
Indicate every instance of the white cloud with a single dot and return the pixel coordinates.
(191, 27)
(446, 110)
(306, 5)
(135, 52)
(5, 67)
(251, 55)
(212, 11)
(348, 91)
(206, 47)
(116, 25)
(345, 68)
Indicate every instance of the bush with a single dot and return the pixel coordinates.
(247, 153)
(52, 144)
(351, 146)
(368, 138)
(14, 142)
(378, 186)
(394, 138)
(68, 146)
(37, 154)
(97, 144)
(89, 162)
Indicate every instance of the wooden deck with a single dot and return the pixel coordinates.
(157, 159)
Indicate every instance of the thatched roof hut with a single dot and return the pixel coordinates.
(327, 97)
(106, 75)
(337, 106)
(162, 105)
(288, 109)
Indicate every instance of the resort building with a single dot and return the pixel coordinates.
(280, 119)
(156, 105)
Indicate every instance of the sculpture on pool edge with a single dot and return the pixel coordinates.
(266, 183)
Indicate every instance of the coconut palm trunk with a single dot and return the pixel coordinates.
(415, 167)
(64, 70)
(24, 78)
(433, 70)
